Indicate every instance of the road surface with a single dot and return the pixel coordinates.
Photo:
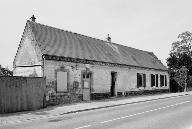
(169, 113)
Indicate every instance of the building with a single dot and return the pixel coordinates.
(81, 67)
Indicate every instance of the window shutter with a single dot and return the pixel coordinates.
(165, 80)
(157, 80)
(144, 80)
(161, 80)
(137, 80)
(61, 81)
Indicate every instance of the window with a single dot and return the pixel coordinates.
(163, 80)
(83, 76)
(86, 75)
(141, 80)
(86, 78)
(154, 80)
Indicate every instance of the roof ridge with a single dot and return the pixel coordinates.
(66, 31)
(130, 47)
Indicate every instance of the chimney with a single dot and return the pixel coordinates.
(108, 38)
(33, 18)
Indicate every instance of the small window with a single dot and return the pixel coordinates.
(87, 76)
(84, 76)
(154, 80)
(141, 80)
(163, 80)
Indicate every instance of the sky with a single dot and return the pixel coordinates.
(150, 25)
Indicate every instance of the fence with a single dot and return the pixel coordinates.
(21, 93)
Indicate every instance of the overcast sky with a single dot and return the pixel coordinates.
(150, 25)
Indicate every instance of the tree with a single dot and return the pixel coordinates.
(181, 77)
(183, 46)
(180, 56)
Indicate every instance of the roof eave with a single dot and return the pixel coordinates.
(86, 61)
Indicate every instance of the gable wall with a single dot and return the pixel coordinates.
(28, 71)
(27, 62)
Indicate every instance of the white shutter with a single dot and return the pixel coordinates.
(61, 81)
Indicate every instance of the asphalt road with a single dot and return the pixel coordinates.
(170, 113)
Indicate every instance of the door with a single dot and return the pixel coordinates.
(113, 83)
(86, 85)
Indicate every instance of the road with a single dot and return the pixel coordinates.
(169, 113)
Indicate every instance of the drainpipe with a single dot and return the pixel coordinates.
(43, 67)
(45, 97)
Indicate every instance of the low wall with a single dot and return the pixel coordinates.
(64, 98)
(21, 93)
(146, 92)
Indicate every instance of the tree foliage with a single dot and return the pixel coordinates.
(180, 54)
(5, 71)
(183, 46)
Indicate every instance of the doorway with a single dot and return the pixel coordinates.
(86, 78)
(113, 83)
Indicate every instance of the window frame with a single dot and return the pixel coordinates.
(163, 80)
(155, 82)
(142, 82)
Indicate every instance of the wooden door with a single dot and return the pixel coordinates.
(86, 85)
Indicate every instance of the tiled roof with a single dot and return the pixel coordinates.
(57, 42)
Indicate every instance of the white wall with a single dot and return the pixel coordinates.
(126, 77)
(28, 55)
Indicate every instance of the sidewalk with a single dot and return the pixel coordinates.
(55, 111)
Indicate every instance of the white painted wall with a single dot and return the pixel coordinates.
(28, 71)
(126, 77)
(28, 55)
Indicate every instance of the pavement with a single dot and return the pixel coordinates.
(56, 111)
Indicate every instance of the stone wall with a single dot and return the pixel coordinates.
(74, 94)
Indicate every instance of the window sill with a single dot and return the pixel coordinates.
(164, 86)
(154, 87)
(141, 88)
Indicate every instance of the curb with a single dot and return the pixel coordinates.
(115, 105)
